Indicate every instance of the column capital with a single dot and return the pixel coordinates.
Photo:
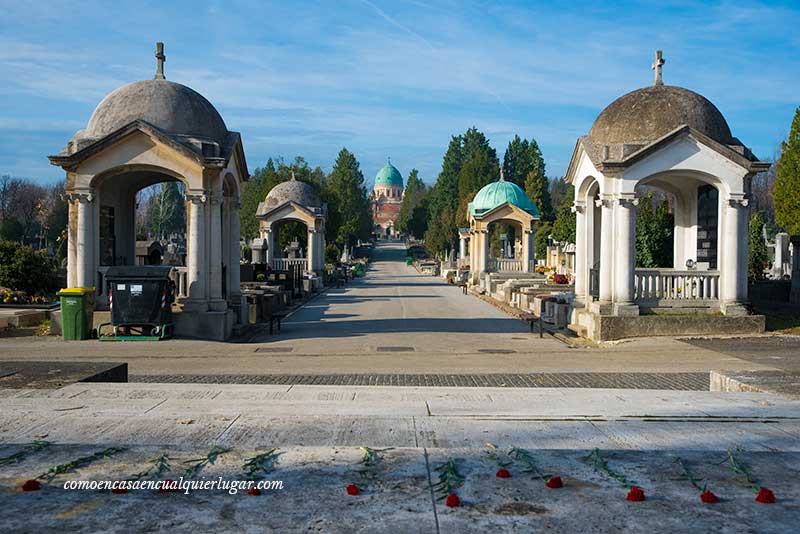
(80, 196)
(627, 200)
(605, 201)
(215, 200)
(578, 206)
(196, 197)
(737, 201)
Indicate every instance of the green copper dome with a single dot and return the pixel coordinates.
(389, 175)
(498, 193)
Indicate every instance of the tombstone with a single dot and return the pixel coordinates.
(794, 295)
(781, 264)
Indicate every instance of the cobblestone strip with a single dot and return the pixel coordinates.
(673, 381)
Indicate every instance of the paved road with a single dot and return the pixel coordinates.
(782, 352)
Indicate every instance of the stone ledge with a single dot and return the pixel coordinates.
(612, 328)
(783, 383)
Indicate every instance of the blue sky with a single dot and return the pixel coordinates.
(392, 78)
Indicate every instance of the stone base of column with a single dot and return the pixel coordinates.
(733, 309)
(601, 308)
(194, 305)
(217, 304)
(626, 310)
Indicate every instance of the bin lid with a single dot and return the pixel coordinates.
(138, 272)
(76, 291)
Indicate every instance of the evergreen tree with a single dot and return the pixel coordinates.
(565, 220)
(786, 194)
(347, 191)
(412, 196)
(654, 234)
(516, 161)
(543, 231)
(536, 183)
(758, 258)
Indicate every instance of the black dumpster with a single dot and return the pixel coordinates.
(141, 296)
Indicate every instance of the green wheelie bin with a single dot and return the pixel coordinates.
(77, 312)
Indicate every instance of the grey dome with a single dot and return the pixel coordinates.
(172, 107)
(294, 190)
(644, 115)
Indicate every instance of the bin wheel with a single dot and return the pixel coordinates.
(155, 331)
(116, 332)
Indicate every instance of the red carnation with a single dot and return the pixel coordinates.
(169, 486)
(452, 501)
(35, 485)
(709, 497)
(554, 483)
(254, 491)
(119, 491)
(503, 473)
(765, 496)
(352, 489)
(635, 494)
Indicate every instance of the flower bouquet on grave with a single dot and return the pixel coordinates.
(370, 458)
(763, 495)
(56, 470)
(259, 465)
(635, 493)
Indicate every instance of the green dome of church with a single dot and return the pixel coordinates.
(498, 193)
(389, 175)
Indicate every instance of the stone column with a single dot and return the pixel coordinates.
(270, 253)
(196, 243)
(605, 202)
(84, 243)
(781, 248)
(462, 246)
(581, 271)
(312, 251)
(733, 256)
(215, 253)
(236, 249)
(794, 294)
(528, 252)
(483, 250)
(625, 235)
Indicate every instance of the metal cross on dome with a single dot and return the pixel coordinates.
(160, 59)
(657, 64)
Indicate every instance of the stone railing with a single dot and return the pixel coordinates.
(676, 288)
(285, 264)
(505, 266)
(180, 277)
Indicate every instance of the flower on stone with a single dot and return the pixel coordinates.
(452, 501)
(254, 492)
(503, 473)
(31, 485)
(708, 497)
(554, 483)
(765, 496)
(635, 494)
(352, 489)
(169, 486)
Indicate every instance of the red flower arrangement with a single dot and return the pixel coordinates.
(765, 496)
(31, 485)
(254, 492)
(560, 279)
(503, 473)
(708, 497)
(352, 489)
(635, 494)
(452, 501)
(554, 483)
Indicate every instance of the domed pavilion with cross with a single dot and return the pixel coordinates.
(674, 140)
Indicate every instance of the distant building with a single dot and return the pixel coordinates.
(386, 198)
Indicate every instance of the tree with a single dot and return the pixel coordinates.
(346, 190)
(23, 269)
(166, 213)
(565, 220)
(758, 257)
(254, 192)
(516, 161)
(786, 194)
(543, 231)
(19, 205)
(654, 234)
(412, 196)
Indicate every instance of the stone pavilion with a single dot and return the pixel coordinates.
(387, 198)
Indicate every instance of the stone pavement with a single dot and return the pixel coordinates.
(318, 431)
